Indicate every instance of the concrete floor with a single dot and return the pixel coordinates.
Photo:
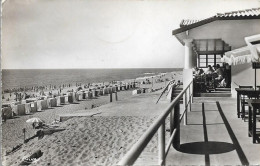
(214, 136)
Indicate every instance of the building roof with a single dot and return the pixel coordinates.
(187, 24)
(239, 13)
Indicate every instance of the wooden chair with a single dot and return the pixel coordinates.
(244, 103)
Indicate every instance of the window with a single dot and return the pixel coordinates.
(210, 59)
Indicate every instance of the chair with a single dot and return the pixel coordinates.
(258, 97)
(244, 103)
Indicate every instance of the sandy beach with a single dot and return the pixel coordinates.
(86, 141)
(91, 140)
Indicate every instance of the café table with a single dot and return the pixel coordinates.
(250, 92)
(254, 104)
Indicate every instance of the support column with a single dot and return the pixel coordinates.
(188, 64)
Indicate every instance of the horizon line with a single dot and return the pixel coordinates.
(93, 68)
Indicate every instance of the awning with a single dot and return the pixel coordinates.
(247, 54)
(253, 43)
(237, 56)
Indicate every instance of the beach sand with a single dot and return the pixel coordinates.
(87, 141)
(12, 128)
(96, 140)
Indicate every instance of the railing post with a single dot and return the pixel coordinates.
(189, 98)
(176, 125)
(185, 108)
(161, 144)
(171, 115)
(171, 121)
(191, 85)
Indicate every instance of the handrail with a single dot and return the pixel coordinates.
(132, 155)
(170, 82)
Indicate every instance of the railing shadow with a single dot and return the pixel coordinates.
(233, 137)
(212, 147)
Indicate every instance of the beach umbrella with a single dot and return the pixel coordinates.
(34, 120)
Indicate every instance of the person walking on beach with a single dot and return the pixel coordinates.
(33, 125)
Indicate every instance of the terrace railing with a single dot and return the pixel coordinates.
(173, 110)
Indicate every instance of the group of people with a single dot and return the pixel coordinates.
(217, 70)
(219, 74)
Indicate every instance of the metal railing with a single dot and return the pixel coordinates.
(159, 125)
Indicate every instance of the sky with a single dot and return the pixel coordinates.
(42, 34)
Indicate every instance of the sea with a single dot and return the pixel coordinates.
(16, 78)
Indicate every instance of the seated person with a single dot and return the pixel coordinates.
(209, 70)
(41, 125)
(198, 71)
(219, 72)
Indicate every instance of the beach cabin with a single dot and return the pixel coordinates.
(206, 41)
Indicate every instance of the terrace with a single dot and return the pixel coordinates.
(210, 133)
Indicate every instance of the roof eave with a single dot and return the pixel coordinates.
(181, 41)
(211, 19)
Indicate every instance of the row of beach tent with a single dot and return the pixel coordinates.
(33, 105)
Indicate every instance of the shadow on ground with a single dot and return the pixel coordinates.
(206, 147)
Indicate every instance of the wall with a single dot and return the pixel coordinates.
(244, 75)
(233, 33)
